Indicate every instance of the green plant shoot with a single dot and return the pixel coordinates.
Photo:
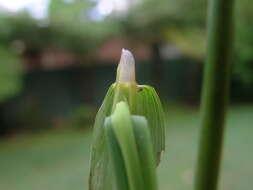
(142, 102)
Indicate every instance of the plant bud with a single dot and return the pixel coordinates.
(142, 100)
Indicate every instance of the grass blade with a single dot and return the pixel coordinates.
(100, 176)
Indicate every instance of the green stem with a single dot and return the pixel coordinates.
(215, 92)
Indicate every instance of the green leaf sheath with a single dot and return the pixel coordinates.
(117, 160)
(123, 129)
(129, 142)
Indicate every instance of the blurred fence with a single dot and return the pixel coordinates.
(52, 97)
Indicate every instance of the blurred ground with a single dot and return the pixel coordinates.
(59, 159)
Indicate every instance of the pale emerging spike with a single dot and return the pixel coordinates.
(126, 67)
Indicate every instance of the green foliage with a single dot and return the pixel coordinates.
(73, 19)
(67, 27)
(149, 106)
(124, 99)
(10, 74)
(150, 19)
(191, 41)
(54, 35)
(83, 116)
(70, 13)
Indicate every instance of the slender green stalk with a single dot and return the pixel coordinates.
(215, 92)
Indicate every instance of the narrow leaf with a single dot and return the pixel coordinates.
(100, 175)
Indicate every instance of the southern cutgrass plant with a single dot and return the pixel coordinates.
(128, 134)
(129, 127)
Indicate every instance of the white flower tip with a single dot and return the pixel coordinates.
(126, 67)
(127, 56)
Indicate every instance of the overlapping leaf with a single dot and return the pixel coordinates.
(100, 176)
(131, 150)
(150, 107)
(147, 105)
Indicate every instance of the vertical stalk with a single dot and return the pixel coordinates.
(215, 92)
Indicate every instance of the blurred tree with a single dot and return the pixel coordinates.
(68, 27)
(73, 17)
(182, 23)
(67, 11)
(159, 22)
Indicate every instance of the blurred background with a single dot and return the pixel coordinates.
(58, 58)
